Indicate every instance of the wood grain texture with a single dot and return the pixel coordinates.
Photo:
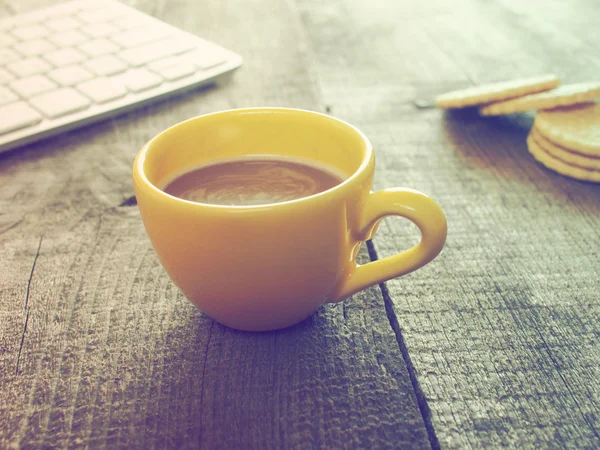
(503, 330)
(97, 347)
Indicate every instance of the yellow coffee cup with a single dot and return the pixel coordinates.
(270, 266)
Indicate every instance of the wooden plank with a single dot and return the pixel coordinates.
(502, 330)
(98, 349)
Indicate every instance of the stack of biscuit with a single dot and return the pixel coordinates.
(566, 131)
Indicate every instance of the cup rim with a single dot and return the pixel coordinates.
(140, 174)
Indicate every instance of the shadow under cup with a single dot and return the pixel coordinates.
(256, 267)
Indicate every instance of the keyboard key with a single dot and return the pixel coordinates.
(6, 23)
(151, 52)
(102, 90)
(165, 62)
(30, 32)
(28, 87)
(6, 40)
(7, 55)
(181, 44)
(98, 30)
(29, 18)
(16, 116)
(65, 57)
(60, 102)
(5, 76)
(140, 36)
(6, 96)
(106, 65)
(34, 47)
(138, 80)
(70, 75)
(83, 5)
(63, 24)
(99, 47)
(206, 57)
(134, 20)
(102, 14)
(176, 72)
(64, 8)
(29, 66)
(68, 38)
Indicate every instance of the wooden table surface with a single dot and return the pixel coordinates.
(494, 344)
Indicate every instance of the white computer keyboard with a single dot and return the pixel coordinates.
(83, 60)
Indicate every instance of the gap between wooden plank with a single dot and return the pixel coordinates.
(393, 319)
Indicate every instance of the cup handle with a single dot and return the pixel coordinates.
(416, 207)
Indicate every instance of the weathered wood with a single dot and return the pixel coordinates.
(503, 329)
(98, 349)
(501, 332)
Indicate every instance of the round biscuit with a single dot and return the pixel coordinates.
(559, 166)
(575, 127)
(565, 95)
(486, 93)
(565, 154)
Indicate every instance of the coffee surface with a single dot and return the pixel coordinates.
(250, 182)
